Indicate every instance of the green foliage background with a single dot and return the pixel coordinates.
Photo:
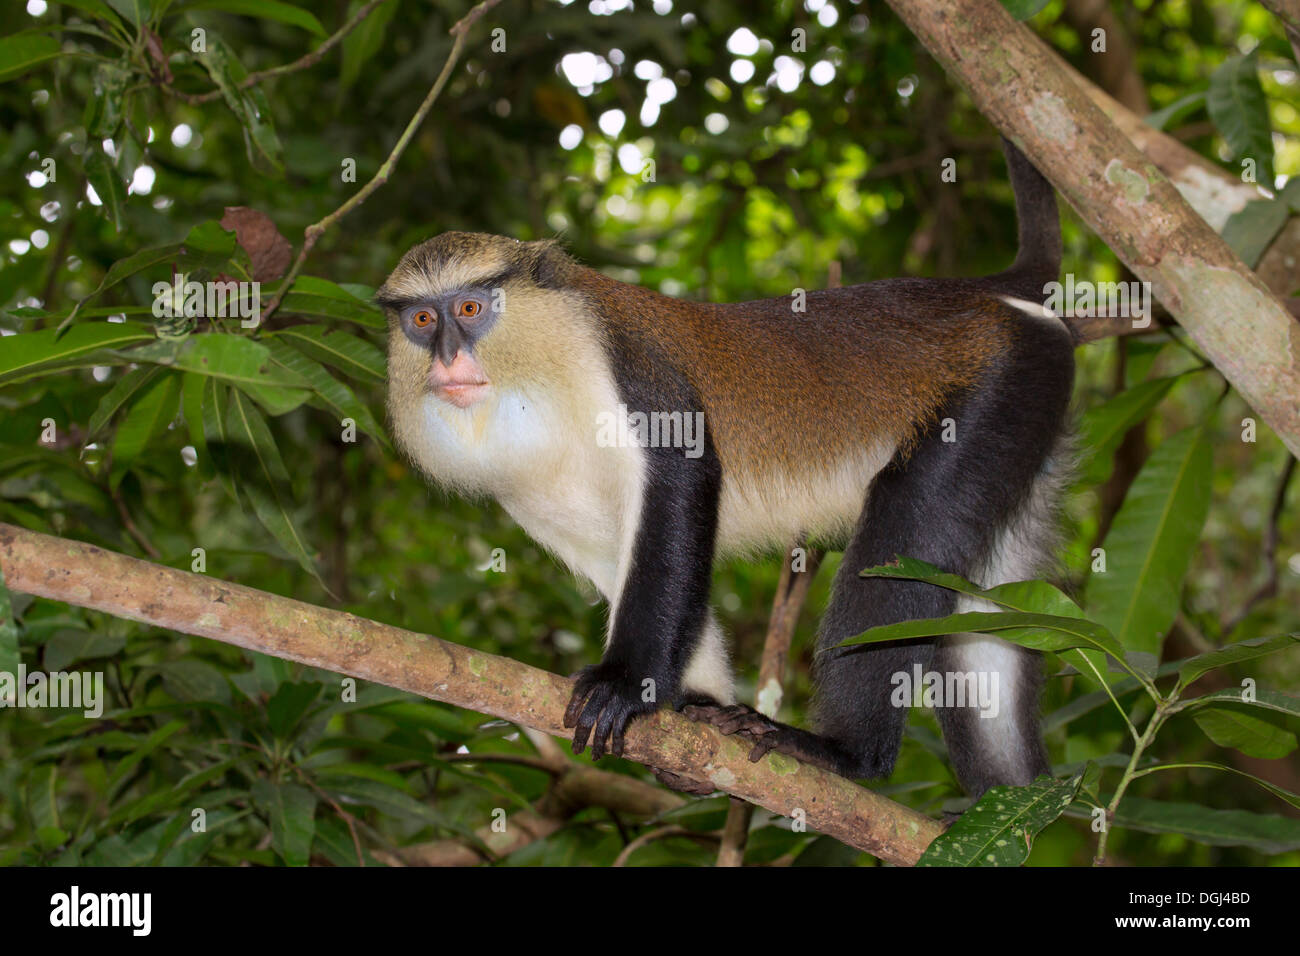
(756, 188)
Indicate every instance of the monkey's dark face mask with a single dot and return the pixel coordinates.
(451, 323)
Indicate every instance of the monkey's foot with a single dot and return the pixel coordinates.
(739, 720)
(768, 735)
(682, 784)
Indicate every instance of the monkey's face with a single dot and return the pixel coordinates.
(448, 327)
(470, 321)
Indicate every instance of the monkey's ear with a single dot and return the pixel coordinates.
(549, 266)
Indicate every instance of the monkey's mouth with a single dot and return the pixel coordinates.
(461, 394)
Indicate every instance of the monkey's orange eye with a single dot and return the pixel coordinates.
(469, 308)
(422, 319)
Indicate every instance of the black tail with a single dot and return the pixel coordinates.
(1039, 260)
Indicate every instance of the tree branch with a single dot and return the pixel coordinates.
(1020, 85)
(82, 574)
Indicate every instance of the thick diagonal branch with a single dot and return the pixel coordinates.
(88, 576)
(1022, 87)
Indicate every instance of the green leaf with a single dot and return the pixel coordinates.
(147, 419)
(264, 479)
(1251, 229)
(275, 400)
(264, 9)
(25, 51)
(1037, 597)
(827, 851)
(1023, 9)
(289, 705)
(320, 297)
(235, 360)
(1281, 793)
(1042, 615)
(194, 681)
(108, 185)
(291, 810)
(1151, 542)
(1234, 727)
(42, 804)
(217, 440)
(210, 244)
(135, 12)
(1194, 667)
(349, 354)
(250, 106)
(1103, 427)
(1264, 833)
(106, 107)
(174, 795)
(1000, 829)
(94, 8)
(119, 395)
(122, 771)
(1265, 699)
(1239, 109)
(70, 646)
(363, 42)
(29, 354)
(331, 392)
(119, 270)
(388, 800)
(1041, 632)
(334, 842)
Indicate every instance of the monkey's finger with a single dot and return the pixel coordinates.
(740, 718)
(590, 713)
(616, 747)
(762, 747)
(612, 719)
(581, 690)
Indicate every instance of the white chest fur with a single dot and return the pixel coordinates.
(545, 467)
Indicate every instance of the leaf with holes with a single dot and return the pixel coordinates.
(1000, 829)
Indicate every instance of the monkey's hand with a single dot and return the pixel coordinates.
(605, 700)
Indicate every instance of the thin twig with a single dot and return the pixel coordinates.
(302, 63)
(519, 760)
(791, 591)
(131, 528)
(346, 817)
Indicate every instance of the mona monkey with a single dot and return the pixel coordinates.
(916, 417)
